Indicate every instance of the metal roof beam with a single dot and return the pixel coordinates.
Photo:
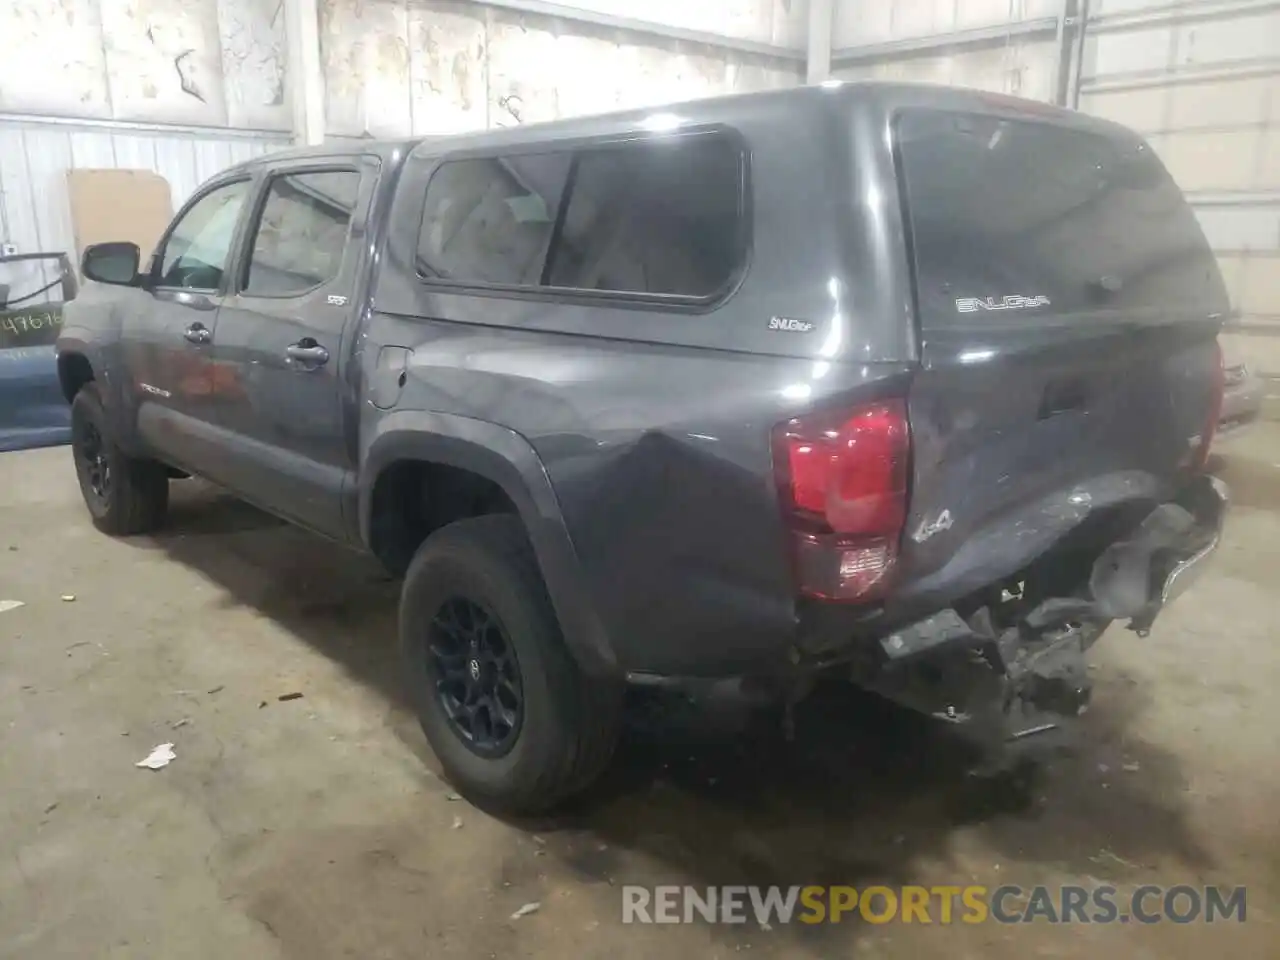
(993, 36)
(647, 28)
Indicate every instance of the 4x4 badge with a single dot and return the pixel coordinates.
(789, 325)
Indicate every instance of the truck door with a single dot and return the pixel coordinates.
(168, 330)
(283, 337)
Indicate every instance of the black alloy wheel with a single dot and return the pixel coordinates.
(92, 461)
(473, 667)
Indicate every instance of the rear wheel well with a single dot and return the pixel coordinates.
(74, 372)
(414, 498)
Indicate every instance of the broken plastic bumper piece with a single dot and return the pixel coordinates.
(1139, 576)
(1006, 685)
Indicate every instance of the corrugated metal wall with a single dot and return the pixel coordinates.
(396, 68)
(35, 157)
(217, 63)
(1202, 81)
(1010, 61)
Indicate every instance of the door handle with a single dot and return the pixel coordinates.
(198, 333)
(307, 351)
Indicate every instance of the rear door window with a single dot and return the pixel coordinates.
(1013, 221)
(301, 233)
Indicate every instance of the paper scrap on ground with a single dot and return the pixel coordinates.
(7, 605)
(159, 757)
(527, 909)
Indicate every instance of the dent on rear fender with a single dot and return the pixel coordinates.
(681, 543)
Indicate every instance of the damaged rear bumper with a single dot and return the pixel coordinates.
(1139, 576)
(1006, 684)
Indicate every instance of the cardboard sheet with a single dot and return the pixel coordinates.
(131, 205)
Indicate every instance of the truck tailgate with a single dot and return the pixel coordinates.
(1067, 309)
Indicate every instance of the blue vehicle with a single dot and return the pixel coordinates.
(33, 288)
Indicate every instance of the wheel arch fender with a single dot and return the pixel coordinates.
(100, 353)
(507, 459)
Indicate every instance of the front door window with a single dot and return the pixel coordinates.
(196, 253)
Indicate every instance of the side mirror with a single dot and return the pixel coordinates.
(115, 262)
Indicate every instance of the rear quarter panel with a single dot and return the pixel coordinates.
(660, 462)
(653, 424)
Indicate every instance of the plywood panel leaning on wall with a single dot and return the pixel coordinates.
(133, 205)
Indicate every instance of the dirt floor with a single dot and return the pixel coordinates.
(319, 827)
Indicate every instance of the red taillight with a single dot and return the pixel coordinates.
(1201, 457)
(843, 482)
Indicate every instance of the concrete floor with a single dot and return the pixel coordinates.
(319, 827)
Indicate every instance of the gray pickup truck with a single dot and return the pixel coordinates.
(907, 385)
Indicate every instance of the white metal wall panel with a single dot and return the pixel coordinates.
(1173, 43)
(202, 62)
(536, 73)
(35, 158)
(394, 68)
(20, 220)
(49, 156)
(251, 35)
(364, 55)
(1022, 68)
(1019, 65)
(448, 73)
(1241, 229)
(164, 67)
(770, 21)
(862, 22)
(1201, 80)
(52, 58)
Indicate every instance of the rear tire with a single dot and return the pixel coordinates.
(562, 735)
(125, 495)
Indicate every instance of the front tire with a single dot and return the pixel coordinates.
(516, 724)
(125, 495)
